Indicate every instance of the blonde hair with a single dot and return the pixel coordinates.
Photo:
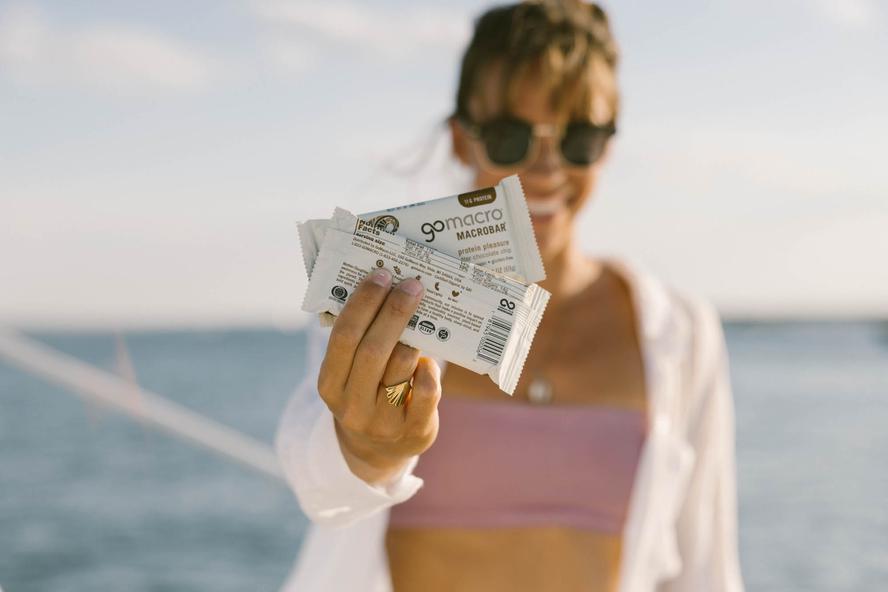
(568, 43)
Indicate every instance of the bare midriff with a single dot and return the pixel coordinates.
(597, 363)
(509, 559)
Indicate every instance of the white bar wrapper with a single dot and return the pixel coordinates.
(490, 227)
(469, 316)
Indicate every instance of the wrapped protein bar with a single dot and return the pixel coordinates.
(469, 316)
(489, 227)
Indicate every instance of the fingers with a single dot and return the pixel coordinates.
(372, 355)
(363, 356)
(401, 366)
(351, 324)
(422, 409)
(410, 428)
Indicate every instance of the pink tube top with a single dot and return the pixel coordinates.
(516, 465)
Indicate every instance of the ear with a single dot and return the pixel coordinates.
(459, 141)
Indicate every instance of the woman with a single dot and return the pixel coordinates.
(612, 466)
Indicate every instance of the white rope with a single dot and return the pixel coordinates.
(154, 410)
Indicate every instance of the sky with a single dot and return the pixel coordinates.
(155, 156)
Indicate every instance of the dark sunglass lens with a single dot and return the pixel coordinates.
(583, 143)
(506, 140)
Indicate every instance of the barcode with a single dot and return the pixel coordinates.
(494, 340)
(412, 323)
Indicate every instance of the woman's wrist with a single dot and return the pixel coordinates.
(367, 464)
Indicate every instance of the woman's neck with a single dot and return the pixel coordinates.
(569, 272)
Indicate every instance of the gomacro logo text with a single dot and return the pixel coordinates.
(467, 226)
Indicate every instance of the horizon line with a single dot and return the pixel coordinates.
(293, 325)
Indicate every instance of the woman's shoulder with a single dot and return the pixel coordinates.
(661, 306)
(677, 326)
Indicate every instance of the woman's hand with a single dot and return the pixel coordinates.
(363, 356)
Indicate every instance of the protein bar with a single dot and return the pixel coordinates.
(468, 315)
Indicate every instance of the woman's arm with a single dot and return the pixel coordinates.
(345, 451)
(316, 469)
(707, 523)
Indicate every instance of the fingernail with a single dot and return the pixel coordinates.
(381, 277)
(411, 286)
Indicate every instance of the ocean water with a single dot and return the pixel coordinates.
(90, 500)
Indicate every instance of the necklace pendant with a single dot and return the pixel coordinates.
(539, 391)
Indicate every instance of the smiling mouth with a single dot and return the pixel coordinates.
(548, 207)
(544, 208)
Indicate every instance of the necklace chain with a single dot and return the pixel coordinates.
(540, 390)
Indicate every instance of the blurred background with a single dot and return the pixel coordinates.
(155, 157)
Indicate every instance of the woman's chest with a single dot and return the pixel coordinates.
(591, 363)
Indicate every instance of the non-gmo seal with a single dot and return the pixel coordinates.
(443, 334)
(339, 293)
(426, 327)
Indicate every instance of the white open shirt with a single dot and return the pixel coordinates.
(681, 528)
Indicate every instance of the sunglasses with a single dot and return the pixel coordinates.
(510, 142)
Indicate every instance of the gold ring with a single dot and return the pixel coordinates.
(397, 393)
